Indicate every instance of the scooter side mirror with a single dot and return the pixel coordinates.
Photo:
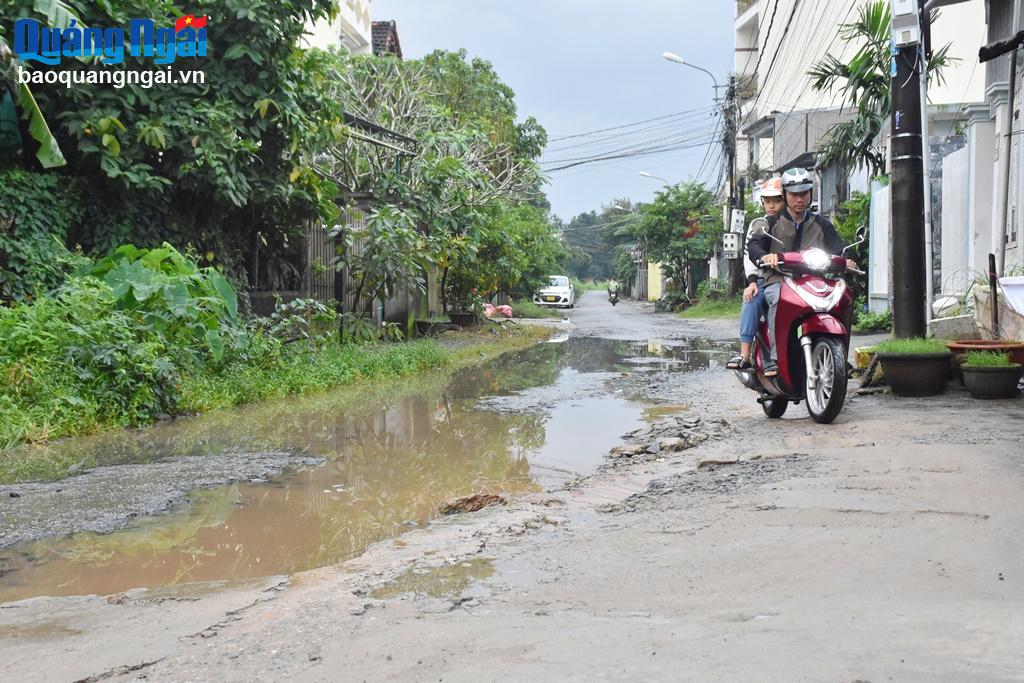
(760, 226)
(862, 236)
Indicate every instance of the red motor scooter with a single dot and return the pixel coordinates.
(813, 329)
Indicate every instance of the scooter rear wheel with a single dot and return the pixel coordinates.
(774, 408)
(826, 396)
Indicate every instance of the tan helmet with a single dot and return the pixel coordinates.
(772, 187)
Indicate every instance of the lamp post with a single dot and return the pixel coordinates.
(729, 110)
(672, 57)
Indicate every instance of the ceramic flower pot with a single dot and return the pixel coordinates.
(992, 382)
(916, 374)
(1014, 349)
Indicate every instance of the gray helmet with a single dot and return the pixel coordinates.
(796, 180)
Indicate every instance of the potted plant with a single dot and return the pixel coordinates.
(434, 325)
(1015, 349)
(915, 367)
(990, 374)
(466, 307)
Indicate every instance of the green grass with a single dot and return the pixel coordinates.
(592, 286)
(987, 359)
(714, 309)
(528, 309)
(354, 370)
(916, 345)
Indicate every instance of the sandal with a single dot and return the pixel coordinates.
(735, 363)
(771, 372)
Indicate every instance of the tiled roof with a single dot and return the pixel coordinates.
(385, 39)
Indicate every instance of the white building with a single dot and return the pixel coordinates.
(777, 103)
(351, 30)
(971, 225)
(783, 120)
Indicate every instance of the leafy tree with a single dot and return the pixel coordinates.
(592, 237)
(517, 251)
(461, 166)
(681, 226)
(209, 163)
(865, 82)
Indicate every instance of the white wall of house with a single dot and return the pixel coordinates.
(963, 28)
(879, 255)
(351, 30)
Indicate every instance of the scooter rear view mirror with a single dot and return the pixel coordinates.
(862, 236)
(760, 226)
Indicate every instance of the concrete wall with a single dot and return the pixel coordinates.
(879, 256)
(654, 281)
(955, 222)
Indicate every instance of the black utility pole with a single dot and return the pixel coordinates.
(729, 112)
(909, 271)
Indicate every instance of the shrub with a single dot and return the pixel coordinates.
(713, 289)
(872, 322)
(194, 310)
(36, 211)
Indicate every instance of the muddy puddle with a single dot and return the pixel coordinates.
(526, 422)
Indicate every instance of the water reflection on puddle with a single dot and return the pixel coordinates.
(448, 581)
(391, 464)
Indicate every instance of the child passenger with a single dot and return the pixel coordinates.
(754, 304)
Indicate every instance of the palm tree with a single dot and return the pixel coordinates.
(865, 83)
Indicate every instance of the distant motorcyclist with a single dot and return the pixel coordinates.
(613, 291)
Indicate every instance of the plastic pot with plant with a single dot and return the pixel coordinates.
(990, 374)
(915, 367)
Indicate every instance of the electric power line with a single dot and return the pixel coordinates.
(624, 125)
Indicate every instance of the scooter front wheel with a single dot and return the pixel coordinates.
(826, 380)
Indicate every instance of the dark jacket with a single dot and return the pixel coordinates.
(814, 231)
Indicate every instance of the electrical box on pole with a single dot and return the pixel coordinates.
(731, 245)
(739, 220)
(906, 26)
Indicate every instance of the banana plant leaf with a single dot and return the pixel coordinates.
(49, 153)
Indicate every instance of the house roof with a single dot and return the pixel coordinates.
(385, 39)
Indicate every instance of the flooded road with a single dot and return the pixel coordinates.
(529, 421)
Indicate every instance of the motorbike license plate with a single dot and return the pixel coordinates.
(551, 298)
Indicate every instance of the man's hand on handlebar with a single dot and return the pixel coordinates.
(770, 260)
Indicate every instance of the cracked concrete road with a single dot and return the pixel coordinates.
(884, 547)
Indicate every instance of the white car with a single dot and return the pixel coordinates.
(558, 293)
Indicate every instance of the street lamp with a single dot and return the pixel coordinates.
(645, 174)
(672, 57)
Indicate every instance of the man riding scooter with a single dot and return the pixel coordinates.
(794, 229)
(613, 291)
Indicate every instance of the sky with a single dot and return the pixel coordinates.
(583, 65)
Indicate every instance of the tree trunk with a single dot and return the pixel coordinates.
(444, 291)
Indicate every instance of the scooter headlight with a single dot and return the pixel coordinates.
(816, 259)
